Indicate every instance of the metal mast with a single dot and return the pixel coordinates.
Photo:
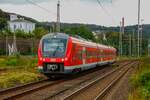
(130, 45)
(120, 40)
(121, 36)
(123, 25)
(14, 44)
(148, 46)
(141, 37)
(133, 45)
(6, 44)
(139, 4)
(58, 17)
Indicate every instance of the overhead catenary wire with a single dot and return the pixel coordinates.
(105, 10)
(46, 10)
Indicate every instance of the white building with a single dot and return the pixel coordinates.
(16, 23)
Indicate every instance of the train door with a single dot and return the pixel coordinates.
(84, 55)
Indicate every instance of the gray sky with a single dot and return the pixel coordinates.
(81, 11)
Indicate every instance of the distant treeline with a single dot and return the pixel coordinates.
(105, 35)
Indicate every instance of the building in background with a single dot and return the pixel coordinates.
(16, 23)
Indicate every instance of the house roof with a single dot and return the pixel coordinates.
(21, 20)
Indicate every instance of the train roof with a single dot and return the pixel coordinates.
(81, 40)
(56, 35)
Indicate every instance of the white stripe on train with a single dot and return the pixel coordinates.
(85, 66)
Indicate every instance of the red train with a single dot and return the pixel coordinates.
(59, 53)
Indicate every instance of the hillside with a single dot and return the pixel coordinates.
(5, 15)
(92, 27)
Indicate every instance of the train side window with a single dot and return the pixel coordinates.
(74, 52)
(87, 55)
(99, 54)
(102, 53)
(80, 54)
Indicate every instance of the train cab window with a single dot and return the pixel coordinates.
(54, 47)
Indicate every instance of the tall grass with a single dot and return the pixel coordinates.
(18, 70)
(141, 81)
(15, 62)
(17, 77)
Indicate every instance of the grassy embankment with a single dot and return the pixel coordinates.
(126, 58)
(141, 81)
(18, 70)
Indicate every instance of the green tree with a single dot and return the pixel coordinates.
(20, 33)
(81, 31)
(112, 39)
(3, 23)
(39, 32)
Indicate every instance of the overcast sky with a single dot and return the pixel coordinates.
(81, 11)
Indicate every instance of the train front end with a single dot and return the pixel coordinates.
(52, 53)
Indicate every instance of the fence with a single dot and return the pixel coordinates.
(24, 46)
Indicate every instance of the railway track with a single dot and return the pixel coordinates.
(104, 90)
(30, 88)
(112, 83)
(16, 92)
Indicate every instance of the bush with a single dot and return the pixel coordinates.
(39, 32)
(17, 55)
(2, 51)
(144, 80)
(12, 62)
(33, 63)
(141, 81)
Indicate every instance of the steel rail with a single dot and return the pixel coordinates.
(111, 84)
(93, 82)
(4, 91)
(23, 93)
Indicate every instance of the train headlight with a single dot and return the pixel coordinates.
(40, 58)
(62, 59)
(66, 59)
(43, 59)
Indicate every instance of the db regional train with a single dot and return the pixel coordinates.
(59, 53)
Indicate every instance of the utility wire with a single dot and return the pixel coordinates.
(46, 10)
(105, 10)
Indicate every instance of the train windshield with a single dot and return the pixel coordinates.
(54, 47)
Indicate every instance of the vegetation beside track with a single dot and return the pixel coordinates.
(18, 70)
(141, 81)
(18, 62)
(123, 58)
